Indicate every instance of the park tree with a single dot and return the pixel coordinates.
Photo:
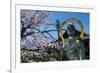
(31, 22)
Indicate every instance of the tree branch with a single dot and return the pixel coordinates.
(46, 31)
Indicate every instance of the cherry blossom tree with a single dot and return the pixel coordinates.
(31, 22)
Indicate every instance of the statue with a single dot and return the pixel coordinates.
(73, 46)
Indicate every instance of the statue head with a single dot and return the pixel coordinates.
(71, 30)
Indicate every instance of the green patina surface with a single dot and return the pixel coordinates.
(72, 48)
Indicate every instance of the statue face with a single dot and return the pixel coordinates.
(71, 30)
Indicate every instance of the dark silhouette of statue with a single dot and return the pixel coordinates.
(71, 36)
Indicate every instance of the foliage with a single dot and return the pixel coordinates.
(40, 55)
(31, 22)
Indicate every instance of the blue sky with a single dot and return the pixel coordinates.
(61, 16)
